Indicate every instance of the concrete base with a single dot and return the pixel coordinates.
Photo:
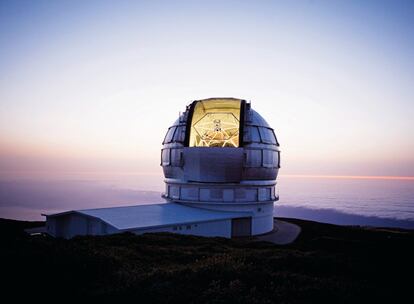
(283, 233)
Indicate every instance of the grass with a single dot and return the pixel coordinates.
(326, 264)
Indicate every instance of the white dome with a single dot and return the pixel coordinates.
(221, 154)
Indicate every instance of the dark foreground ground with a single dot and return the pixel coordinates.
(327, 263)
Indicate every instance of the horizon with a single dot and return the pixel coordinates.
(352, 201)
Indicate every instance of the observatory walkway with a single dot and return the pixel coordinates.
(283, 233)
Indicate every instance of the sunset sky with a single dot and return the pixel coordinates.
(90, 87)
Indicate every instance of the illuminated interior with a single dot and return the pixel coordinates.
(215, 123)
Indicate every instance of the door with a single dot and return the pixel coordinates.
(241, 227)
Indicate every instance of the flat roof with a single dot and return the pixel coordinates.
(154, 215)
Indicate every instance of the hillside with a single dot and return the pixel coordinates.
(327, 263)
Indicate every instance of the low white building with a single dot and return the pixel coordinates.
(220, 160)
(166, 217)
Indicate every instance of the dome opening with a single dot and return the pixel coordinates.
(216, 123)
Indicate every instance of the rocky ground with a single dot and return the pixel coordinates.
(326, 263)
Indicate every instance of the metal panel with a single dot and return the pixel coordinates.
(94, 226)
(176, 157)
(253, 157)
(267, 136)
(260, 173)
(174, 192)
(213, 164)
(169, 136)
(262, 194)
(252, 134)
(269, 159)
(179, 135)
(204, 194)
(189, 193)
(216, 194)
(228, 195)
(251, 194)
(257, 119)
(165, 157)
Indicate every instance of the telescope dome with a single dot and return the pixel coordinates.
(221, 154)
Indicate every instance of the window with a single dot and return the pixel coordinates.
(188, 227)
(215, 123)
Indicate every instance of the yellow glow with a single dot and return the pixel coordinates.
(215, 123)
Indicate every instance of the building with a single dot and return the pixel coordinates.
(220, 161)
(170, 217)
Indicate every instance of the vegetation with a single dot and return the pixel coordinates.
(328, 263)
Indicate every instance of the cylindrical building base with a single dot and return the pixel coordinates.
(261, 213)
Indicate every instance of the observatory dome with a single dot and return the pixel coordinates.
(220, 154)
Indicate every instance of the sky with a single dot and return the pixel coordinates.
(88, 89)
